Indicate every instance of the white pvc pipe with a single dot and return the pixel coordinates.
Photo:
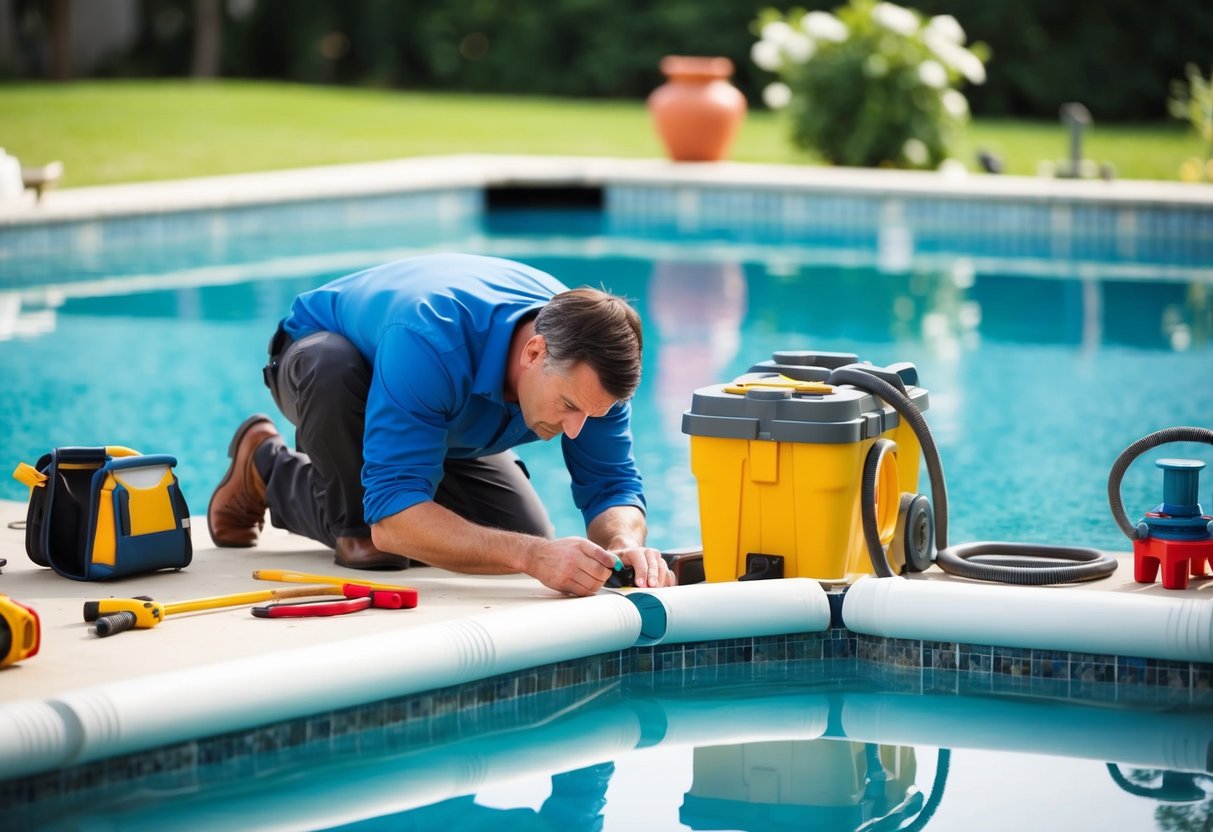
(34, 736)
(1172, 740)
(1045, 618)
(121, 717)
(708, 611)
(106, 720)
(351, 787)
(356, 788)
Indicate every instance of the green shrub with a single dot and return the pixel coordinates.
(873, 84)
(1193, 102)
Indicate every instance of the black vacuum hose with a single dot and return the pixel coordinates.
(867, 505)
(1122, 463)
(910, 412)
(1020, 562)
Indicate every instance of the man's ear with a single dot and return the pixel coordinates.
(535, 349)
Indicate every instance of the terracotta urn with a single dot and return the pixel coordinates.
(697, 110)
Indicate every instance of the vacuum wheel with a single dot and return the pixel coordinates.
(914, 538)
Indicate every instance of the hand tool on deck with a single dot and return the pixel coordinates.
(113, 615)
(358, 596)
(388, 596)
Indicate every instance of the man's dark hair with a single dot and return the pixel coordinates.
(598, 328)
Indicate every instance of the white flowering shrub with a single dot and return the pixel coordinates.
(874, 84)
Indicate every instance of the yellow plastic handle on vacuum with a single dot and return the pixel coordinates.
(740, 388)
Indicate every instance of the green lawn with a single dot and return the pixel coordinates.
(124, 131)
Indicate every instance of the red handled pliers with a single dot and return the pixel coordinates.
(358, 596)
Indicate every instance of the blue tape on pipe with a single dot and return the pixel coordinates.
(653, 622)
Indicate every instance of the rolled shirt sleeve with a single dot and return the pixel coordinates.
(601, 465)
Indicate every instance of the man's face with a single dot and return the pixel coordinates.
(553, 403)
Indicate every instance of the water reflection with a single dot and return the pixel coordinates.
(812, 784)
(696, 310)
(1187, 797)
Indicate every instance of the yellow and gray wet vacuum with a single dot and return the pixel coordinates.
(783, 461)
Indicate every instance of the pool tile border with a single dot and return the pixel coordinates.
(896, 217)
(904, 665)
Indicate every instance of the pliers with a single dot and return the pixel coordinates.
(312, 609)
(359, 595)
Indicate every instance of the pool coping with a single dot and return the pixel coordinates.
(481, 171)
(413, 724)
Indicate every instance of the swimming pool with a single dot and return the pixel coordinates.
(1043, 360)
(151, 333)
(742, 743)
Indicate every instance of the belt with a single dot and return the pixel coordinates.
(278, 344)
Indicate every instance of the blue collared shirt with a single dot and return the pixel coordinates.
(436, 332)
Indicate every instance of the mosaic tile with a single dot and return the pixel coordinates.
(1050, 664)
(1170, 674)
(984, 226)
(1202, 677)
(940, 655)
(836, 657)
(1087, 668)
(840, 644)
(1130, 671)
(1012, 661)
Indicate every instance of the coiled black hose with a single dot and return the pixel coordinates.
(1020, 566)
(867, 502)
(913, 416)
(1122, 463)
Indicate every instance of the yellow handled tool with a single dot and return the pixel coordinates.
(740, 388)
(288, 576)
(113, 615)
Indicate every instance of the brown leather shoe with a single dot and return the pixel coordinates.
(360, 553)
(236, 514)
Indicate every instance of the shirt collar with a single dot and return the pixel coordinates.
(490, 375)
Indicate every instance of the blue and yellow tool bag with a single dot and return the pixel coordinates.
(101, 513)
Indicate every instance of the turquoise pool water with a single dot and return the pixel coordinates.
(1043, 362)
(1037, 380)
(826, 745)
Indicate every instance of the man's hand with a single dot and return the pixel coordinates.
(621, 529)
(572, 565)
(649, 566)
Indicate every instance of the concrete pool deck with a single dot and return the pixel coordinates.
(472, 170)
(73, 657)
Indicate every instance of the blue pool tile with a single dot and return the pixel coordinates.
(975, 658)
(940, 655)
(1170, 674)
(1050, 664)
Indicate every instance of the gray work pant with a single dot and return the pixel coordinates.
(320, 384)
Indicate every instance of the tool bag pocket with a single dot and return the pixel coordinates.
(101, 513)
